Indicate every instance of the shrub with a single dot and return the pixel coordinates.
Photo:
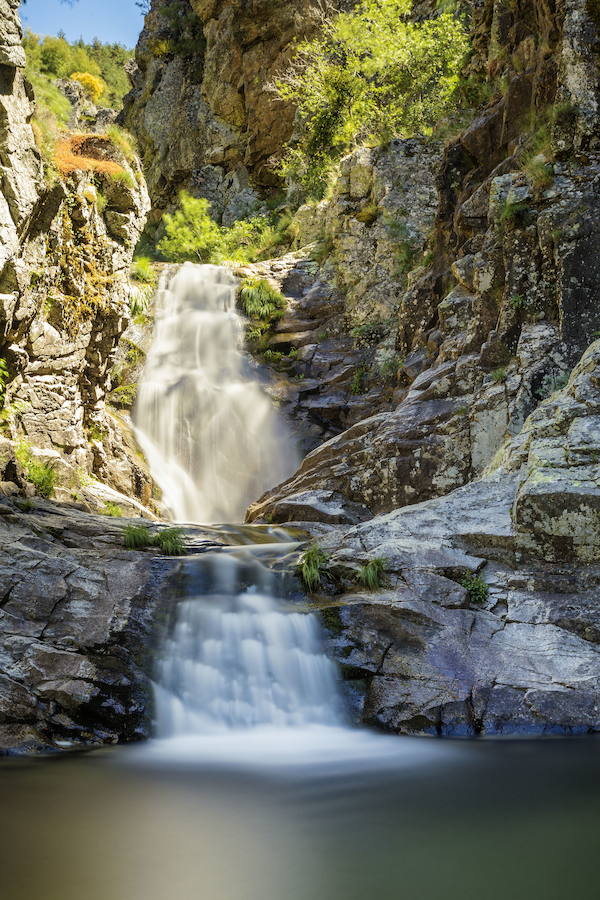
(373, 71)
(112, 509)
(170, 541)
(191, 234)
(311, 565)
(93, 86)
(371, 574)
(477, 589)
(136, 537)
(41, 475)
(260, 300)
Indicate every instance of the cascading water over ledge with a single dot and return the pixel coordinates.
(210, 433)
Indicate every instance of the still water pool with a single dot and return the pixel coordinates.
(289, 816)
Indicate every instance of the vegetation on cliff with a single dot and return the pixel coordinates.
(372, 74)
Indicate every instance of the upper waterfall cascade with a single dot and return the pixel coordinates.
(210, 433)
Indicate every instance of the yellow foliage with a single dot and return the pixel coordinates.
(92, 85)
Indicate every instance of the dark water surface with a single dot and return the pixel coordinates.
(506, 819)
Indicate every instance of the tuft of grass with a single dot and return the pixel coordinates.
(41, 475)
(477, 589)
(262, 301)
(25, 505)
(498, 376)
(142, 270)
(137, 537)
(170, 541)
(112, 509)
(311, 566)
(123, 141)
(371, 575)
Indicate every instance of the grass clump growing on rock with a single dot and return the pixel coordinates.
(137, 537)
(260, 300)
(170, 541)
(371, 575)
(311, 566)
(41, 475)
(477, 589)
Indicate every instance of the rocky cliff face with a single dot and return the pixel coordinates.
(65, 251)
(199, 107)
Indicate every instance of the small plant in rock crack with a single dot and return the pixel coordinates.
(311, 566)
(170, 541)
(371, 575)
(137, 537)
(476, 588)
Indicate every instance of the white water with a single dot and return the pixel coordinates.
(236, 659)
(210, 433)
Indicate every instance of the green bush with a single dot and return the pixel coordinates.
(143, 270)
(311, 566)
(371, 575)
(192, 235)
(261, 301)
(371, 73)
(477, 589)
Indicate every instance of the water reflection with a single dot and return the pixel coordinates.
(452, 820)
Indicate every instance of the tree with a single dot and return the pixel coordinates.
(371, 74)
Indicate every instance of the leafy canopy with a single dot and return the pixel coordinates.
(191, 234)
(371, 74)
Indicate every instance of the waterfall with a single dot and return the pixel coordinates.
(237, 659)
(209, 432)
(234, 655)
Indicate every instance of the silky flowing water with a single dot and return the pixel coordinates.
(255, 786)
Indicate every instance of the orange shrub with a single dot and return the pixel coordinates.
(86, 153)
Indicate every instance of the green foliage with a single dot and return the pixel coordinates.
(170, 541)
(311, 566)
(112, 509)
(25, 505)
(123, 140)
(260, 300)
(518, 301)
(477, 589)
(191, 234)
(143, 270)
(371, 74)
(357, 385)
(512, 211)
(55, 57)
(4, 378)
(41, 475)
(498, 376)
(137, 537)
(371, 575)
